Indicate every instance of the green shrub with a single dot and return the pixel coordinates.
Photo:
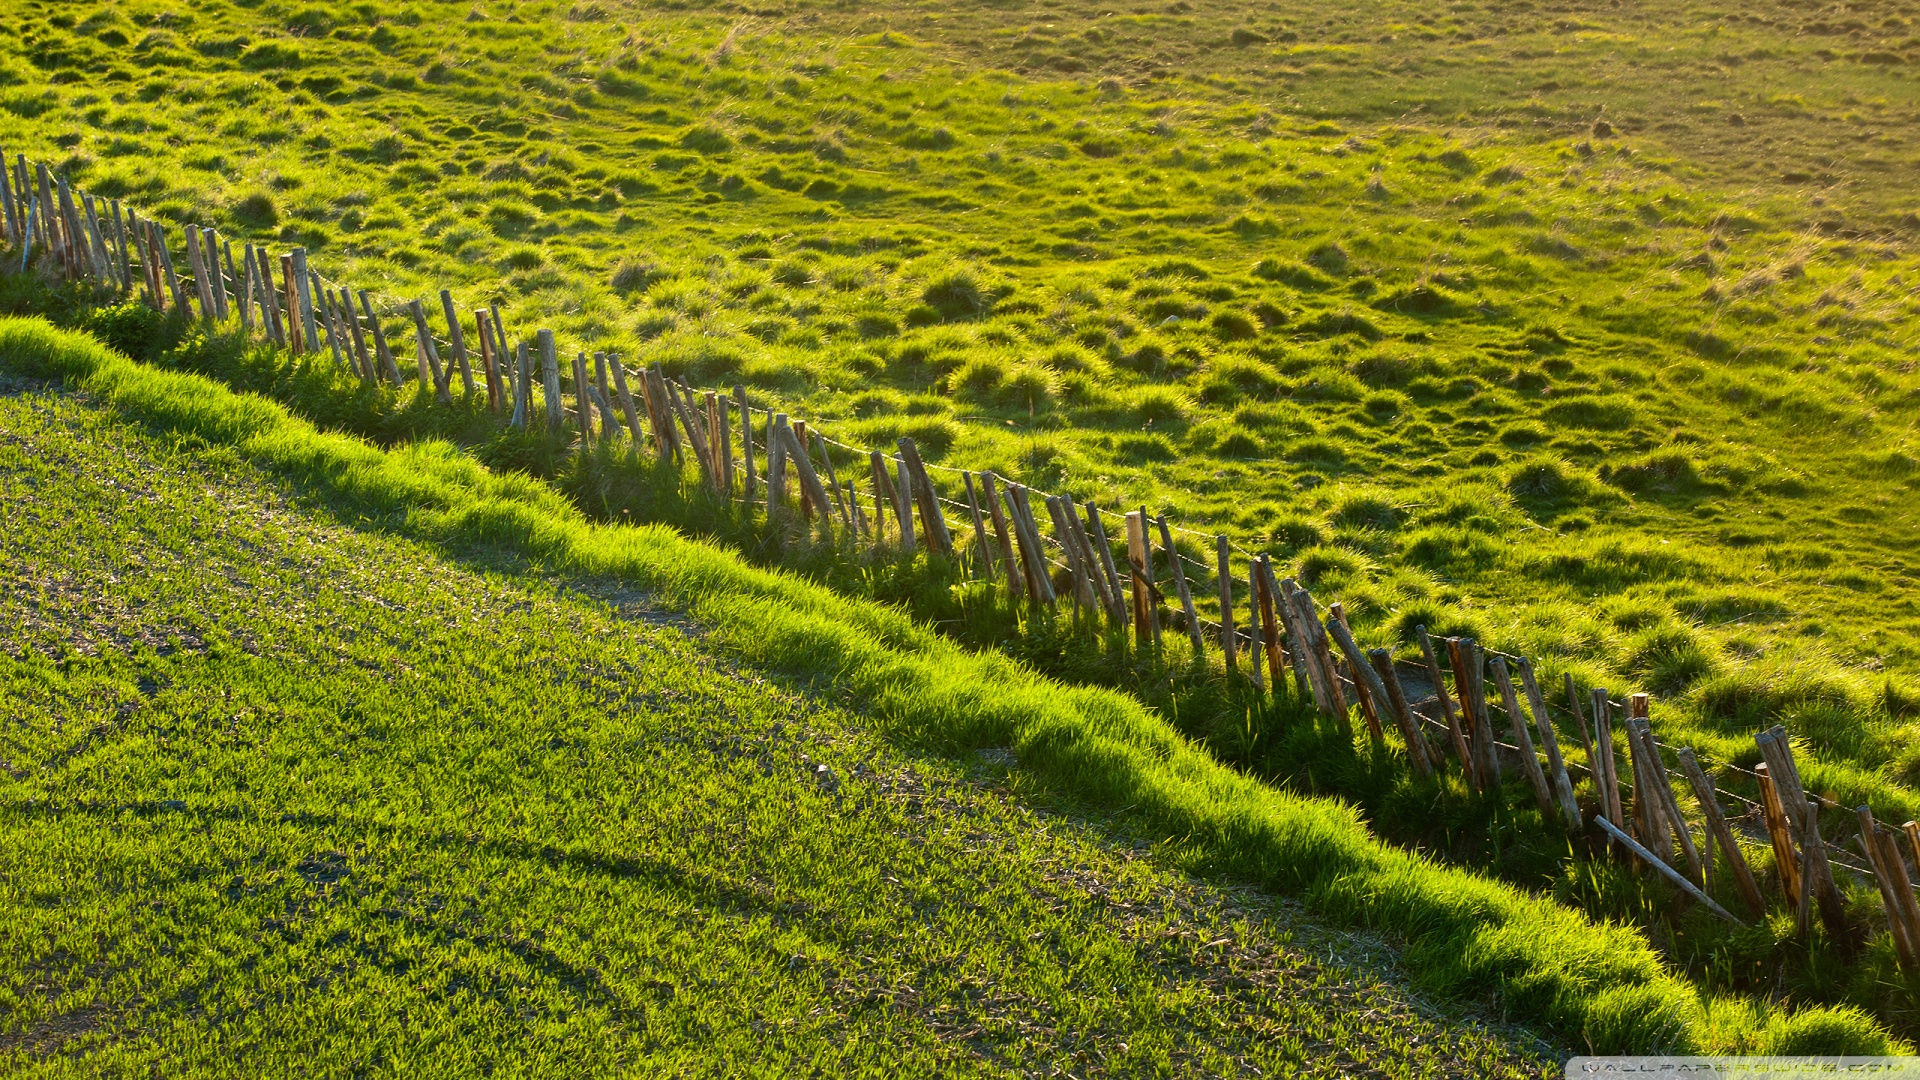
(1326, 567)
(1158, 405)
(1756, 694)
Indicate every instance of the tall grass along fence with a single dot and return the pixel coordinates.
(1117, 574)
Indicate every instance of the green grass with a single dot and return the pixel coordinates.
(1547, 387)
(1462, 935)
(287, 791)
(1281, 740)
(1375, 293)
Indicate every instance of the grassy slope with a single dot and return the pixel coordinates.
(1464, 935)
(1804, 107)
(1537, 386)
(286, 794)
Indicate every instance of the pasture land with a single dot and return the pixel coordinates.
(1553, 389)
(1585, 384)
(288, 793)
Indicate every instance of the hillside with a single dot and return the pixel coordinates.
(1541, 387)
(1584, 332)
(285, 791)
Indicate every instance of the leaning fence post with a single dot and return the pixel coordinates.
(746, 441)
(1529, 761)
(1337, 613)
(983, 558)
(1409, 724)
(1550, 742)
(1454, 732)
(457, 341)
(1672, 875)
(1180, 587)
(1703, 792)
(1228, 645)
(1833, 912)
(1003, 538)
(1255, 623)
(1363, 673)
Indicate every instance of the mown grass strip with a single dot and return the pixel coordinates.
(1466, 935)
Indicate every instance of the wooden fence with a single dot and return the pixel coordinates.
(1439, 706)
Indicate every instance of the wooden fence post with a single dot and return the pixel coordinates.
(1228, 644)
(582, 404)
(932, 521)
(1455, 733)
(625, 391)
(1785, 859)
(1833, 912)
(1902, 887)
(1112, 606)
(1550, 742)
(1337, 613)
(1308, 677)
(1607, 772)
(490, 363)
(1104, 551)
(1529, 761)
(297, 337)
(368, 373)
(550, 378)
(1321, 653)
(388, 368)
(809, 480)
(1180, 587)
(1704, 793)
(1032, 554)
(1143, 614)
(1060, 509)
(1259, 624)
(1470, 676)
(309, 333)
(426, 357)
(983, 558)
(1403, 715)
(1364, 676)
(1284, 643)
(1884, 873)
(746, 442)
(1003, 539)
(215, 271)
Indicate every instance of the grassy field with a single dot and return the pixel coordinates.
(1550, 388)
(287, 793)
(1388, 293)
(1458, 933)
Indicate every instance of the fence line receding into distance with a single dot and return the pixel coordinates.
(1277, 640)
